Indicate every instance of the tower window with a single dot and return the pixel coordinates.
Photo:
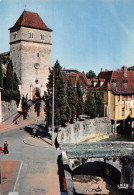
(42, 36)
(38, 55)
(14, 35)
(31, 35)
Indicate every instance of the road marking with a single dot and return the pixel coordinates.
(13, 193)
(17, 177)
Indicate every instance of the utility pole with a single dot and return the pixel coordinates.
(0, 173)
(53, 113)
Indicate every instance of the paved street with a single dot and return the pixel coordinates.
(37, 172)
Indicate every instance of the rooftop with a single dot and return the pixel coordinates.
(30, 20)
(118, 81)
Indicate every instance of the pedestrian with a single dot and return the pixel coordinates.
(5, 147)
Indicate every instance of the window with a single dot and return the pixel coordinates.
(123, 111)
(118, 98)
(31, 35)
(42, 36)
(125, 83)
(130, 111)
(36, 81)
(38, 55)
(127, 97)
(14, 35)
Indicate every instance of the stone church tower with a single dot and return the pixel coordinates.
(30, 51)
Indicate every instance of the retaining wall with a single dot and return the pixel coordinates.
(8, 109)
(83, 130)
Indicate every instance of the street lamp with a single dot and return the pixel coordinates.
(53, 113)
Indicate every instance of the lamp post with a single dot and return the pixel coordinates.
(53, 113)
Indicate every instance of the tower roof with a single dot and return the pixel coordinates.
(30, 20)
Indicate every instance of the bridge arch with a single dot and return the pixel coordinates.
(98, 168)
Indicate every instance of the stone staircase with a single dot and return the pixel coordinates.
(13, 118)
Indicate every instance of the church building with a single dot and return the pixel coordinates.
(30, 51)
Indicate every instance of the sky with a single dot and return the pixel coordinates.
(87, 34)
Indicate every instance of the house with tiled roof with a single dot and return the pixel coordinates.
(74, 75)
(30, 51)
(117, 91)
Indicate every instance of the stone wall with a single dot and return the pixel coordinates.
(8, 109)
(83, 130)
(32, 115)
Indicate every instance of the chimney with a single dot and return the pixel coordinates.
(102, 70)
(124, 69)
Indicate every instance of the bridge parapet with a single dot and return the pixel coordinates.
(116, 145)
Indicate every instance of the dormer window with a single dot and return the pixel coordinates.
(114, 82)
(94, 81)
(31, 35)
(125, 83)
(101, 81)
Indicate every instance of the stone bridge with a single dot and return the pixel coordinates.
(112, 160)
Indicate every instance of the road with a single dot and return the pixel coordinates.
(37, 170)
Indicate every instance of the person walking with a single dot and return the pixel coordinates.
(5, 147)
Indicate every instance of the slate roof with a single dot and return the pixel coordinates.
(30, 20)
(116, 81)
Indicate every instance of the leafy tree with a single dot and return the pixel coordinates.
(71, 99)
(1, 74)
(59, 97)
(9, 76)
(79, 96)
(90, 106)
(25, 106)
(90, 75)
(99, 105)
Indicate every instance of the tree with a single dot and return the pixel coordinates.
(59, 97)
(9, 76)
(15, 82)
(79, 96)
(90, 75)
(1, 74)
(25, 106)
(71, 99)
(99, 105)
(16, 91)
(90, 106)
(37, 106)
